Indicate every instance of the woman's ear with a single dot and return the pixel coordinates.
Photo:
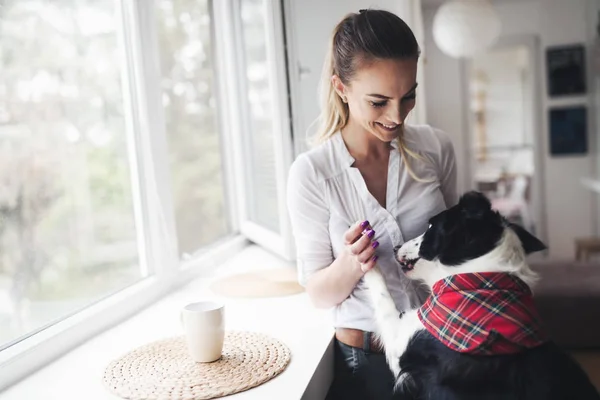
(339, 87)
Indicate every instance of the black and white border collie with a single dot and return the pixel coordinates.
(478, 335)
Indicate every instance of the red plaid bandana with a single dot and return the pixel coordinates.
(483, 313)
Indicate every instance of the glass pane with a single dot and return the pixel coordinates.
(188, 78)
(67, 229)
(262, 183)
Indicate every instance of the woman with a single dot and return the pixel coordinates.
(368, 185)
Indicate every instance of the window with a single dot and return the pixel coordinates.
(188, 98)
(139, 142)
(262, 182)
(67, 226)
(267, 149)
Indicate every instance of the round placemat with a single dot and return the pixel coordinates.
(164, 370)
(275, 282)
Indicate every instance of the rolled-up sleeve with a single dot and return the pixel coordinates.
(309, 217)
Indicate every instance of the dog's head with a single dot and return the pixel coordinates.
(469, 237)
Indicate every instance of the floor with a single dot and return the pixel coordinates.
(590, 361)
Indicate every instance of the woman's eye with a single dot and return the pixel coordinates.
(377, 104)
(410, 98)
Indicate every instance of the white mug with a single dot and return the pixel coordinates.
(204, 325)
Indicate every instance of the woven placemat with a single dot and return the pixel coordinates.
(274, 282)
(163, 369)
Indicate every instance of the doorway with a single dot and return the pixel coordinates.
(504, 138)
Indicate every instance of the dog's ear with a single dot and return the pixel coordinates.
(474, 204)
(530, 243)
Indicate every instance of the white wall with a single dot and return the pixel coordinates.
(444, 94)
(570, 208)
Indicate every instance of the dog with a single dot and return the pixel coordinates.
(478, 334)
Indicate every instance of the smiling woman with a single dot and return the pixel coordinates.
(384, 106)
(370, 183)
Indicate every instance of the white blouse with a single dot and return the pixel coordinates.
(326, 195)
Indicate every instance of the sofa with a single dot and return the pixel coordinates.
(568, 299)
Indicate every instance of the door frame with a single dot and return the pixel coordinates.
(533, 45)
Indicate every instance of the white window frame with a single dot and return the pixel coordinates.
(155, 222)
(280, 243)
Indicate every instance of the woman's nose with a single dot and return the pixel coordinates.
(394, 117)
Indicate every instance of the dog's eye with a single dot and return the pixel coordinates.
(429, 227)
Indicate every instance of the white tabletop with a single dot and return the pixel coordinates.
(292, 319)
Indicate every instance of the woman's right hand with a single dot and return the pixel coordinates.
(360, 245)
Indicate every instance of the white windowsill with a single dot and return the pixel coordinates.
(292, 319)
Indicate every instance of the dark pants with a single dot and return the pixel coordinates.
(360, 375)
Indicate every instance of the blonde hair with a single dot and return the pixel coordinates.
(355, 38)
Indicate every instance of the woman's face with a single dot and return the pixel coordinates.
(381, 95)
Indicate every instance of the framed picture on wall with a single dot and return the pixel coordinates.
(566, 70)
(568, 131)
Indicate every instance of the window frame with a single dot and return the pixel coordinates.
(280, 243)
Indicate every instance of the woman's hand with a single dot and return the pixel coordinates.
(360, 245)
(330, 286)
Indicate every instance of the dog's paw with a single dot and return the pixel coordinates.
(393, 361)
(403, 383)
(376, 282)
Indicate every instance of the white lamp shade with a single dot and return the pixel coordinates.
(463, 28)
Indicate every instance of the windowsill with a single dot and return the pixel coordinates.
(292, 319)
